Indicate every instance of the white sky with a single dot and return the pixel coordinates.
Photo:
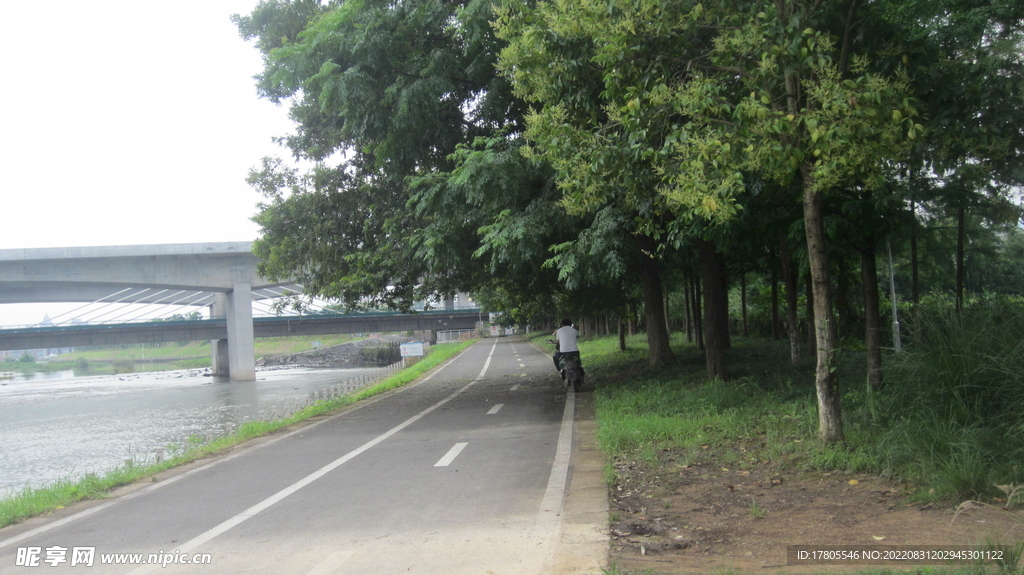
(128, 122)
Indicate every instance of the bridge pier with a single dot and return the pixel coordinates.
(219, 363)
(241, 341)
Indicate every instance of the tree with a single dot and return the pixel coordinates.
(419, 188)
(968, 77)
(382, 94)
(598, 170)
(703, 93)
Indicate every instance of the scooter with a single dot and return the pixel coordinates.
(570, 369)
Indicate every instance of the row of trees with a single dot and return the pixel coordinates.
(584, 155)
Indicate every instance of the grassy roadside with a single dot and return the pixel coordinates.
(674, 417)
(30, 502)
(643, 411)
(767, 411)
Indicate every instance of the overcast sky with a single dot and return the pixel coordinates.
(128, 122)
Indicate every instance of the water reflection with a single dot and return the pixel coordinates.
(57, 427)
(8, 376)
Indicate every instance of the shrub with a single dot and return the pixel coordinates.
(952, 403)
(124, 366)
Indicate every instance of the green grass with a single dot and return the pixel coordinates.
(29, 502)
(175, 355)
(641, 411)
(755, 510)
(947, 421)
(264, 345)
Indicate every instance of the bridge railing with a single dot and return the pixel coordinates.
(216, 320)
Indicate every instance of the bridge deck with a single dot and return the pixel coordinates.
(216, 328)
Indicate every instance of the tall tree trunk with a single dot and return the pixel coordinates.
(830, 423)
(743, 302)
(688, 308)
(658, 350)
(726, 323)
(960, 217)
(789, 277)
(844, 327)
(622, 333)
(812, 337)
(715, 340)
(775, 305)
(698, 324)
(914, 286)
(872, 312)
(668, 311)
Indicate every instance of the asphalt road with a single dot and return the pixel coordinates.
(463, 472)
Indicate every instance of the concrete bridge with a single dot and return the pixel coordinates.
(153, 274)
(216, 329)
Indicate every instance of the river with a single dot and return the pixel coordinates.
(56, 426)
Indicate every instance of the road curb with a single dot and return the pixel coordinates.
(584, 544)
(583, 548)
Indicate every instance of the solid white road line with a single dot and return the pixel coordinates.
(280, 495)
(553, 495)
(331, 564)
(497, 406)
(549, 516)
(451, 455)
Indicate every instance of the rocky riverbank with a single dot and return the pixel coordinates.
(370, 351)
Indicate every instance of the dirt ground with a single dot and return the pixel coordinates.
(708, 518)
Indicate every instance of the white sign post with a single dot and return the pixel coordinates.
(412, 349)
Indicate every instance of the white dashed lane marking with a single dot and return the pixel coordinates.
(451, 455)
(497, 406)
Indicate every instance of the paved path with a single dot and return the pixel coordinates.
(463, 472)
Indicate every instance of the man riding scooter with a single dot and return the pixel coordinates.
(565, 340)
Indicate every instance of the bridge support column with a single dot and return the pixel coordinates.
(241, 343)
(219, 363)
(425, 335)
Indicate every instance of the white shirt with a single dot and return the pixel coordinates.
(566, 338)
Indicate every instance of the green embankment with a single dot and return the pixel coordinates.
(163, 356)
(29, 502)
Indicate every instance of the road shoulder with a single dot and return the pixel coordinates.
(583, 546)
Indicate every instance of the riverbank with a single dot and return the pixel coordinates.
(113, 360)
(29, 502)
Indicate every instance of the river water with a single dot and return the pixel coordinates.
(56, 426)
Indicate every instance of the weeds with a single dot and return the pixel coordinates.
(613, 569)
(1009, 561)
(755, 510)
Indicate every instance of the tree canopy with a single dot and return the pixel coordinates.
(580, 157)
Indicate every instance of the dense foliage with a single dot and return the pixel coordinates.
(644, 160)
